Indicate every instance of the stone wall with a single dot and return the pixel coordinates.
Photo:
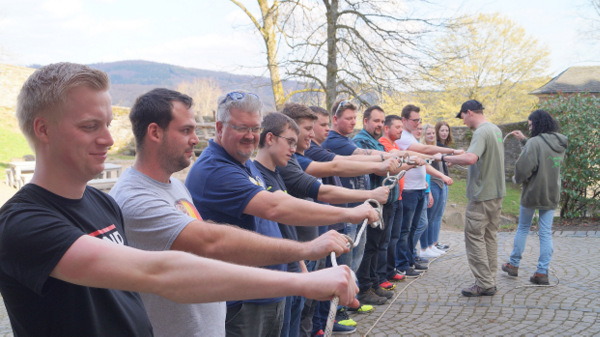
(512, 147)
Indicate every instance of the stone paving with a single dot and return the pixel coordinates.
(432, 305)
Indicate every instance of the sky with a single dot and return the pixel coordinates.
(216, 35)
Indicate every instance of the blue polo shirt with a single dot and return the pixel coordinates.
(221, 188)
(344, 146)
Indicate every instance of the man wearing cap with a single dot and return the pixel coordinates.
(485, 190)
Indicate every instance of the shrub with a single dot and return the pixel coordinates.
(579, 119)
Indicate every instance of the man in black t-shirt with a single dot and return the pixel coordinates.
(56, 277)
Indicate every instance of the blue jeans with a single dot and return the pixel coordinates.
(412, 205)
(386, 262)
(355, 256)
(420, 234)
(291, 316)
(545, 234)
(435, 213)
(367, 271)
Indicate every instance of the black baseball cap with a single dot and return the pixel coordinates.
(470, 105)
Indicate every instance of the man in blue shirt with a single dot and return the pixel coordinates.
(227, 187)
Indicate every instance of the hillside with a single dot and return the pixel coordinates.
(131, 78)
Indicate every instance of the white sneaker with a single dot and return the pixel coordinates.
(428, 253)
(436, 250)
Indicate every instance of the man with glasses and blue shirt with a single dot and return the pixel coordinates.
(227, 187)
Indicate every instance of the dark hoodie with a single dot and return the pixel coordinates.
(538, 169)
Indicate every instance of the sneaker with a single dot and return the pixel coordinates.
(438, 251)
(428, 253)
(363, 309)
(421, 260)
(538, 278)
(387, 285)
(341, 317)
(411, 273)
(442, 246)
(383, 293)
(418, 266)
(340, 329)
(369, 297)
(320, 333)
(397, 278)
(510, 269)
(476, 290)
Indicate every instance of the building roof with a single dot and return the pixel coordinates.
(572, 80)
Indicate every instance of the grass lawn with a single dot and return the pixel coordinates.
(12, 142)
(510, 205)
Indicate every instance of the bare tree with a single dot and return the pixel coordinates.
(355, 47)
(205, 93)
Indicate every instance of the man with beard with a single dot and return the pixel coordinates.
(227, 187)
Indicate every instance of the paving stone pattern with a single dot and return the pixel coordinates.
(432, 304)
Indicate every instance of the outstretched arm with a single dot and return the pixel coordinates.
(350, 168)
(186, 278)
(236, 245)
(339, 195)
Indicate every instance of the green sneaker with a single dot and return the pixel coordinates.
(342, 318)
(363, 309)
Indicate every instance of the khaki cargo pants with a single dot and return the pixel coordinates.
(482, 219)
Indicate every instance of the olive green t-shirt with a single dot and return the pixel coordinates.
(486, 176)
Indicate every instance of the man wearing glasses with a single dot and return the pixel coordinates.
(227, 187)
(413, 194)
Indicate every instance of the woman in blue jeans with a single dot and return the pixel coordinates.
(538, 169)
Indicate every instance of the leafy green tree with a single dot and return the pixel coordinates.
(487, 57)
(579, 119)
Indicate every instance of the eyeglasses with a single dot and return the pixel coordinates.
(291, 142)
(238, 96)
(342, 103)
(245, 129)
(418, 120)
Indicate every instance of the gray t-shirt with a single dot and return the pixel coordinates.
(154, 214)
(486, 176)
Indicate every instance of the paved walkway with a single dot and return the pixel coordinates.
(432, 304)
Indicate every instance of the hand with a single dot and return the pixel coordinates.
(389, 165)
(323, 245)
(324, 284)
(380, 194)
(430, 204)
(518, 134)
(457, 152)
(437, 157)
(447, 180)
(359, 213)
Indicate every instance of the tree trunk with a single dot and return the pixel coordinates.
(332, 67)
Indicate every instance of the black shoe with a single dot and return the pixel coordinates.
(369, 297)
(421, 260)
(476, 290)
(442, 246)
(379, 291)
(418, 266)
(410, 273)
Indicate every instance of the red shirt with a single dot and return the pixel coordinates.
(389, 146)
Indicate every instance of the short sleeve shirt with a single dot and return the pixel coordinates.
(221, 188)
(414, 178)
(298, 183)
(486, 177)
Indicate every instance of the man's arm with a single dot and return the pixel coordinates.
(339, 195)
(466, 158)
(432, 149)
(283, 208)
(186, 278)
(350, 168)
(236, 245)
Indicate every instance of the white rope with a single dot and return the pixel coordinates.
(351, 244)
